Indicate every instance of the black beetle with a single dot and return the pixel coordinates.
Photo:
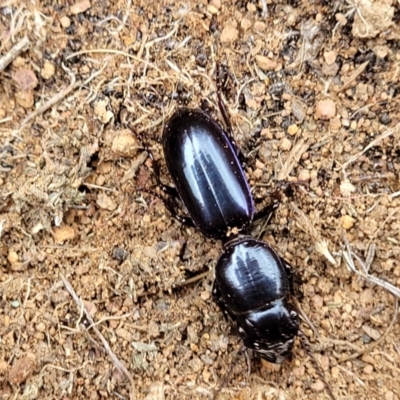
(253, 286)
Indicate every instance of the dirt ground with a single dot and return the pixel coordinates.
(105, 295)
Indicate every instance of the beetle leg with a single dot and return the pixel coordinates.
(225, 115)
(169, 190)
(221, 105)
(171, 206)
(217, 298)
(294, 279)
(267, 211)
(290, 274)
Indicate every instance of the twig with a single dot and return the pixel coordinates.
(382, 136)
(14, 52)
(318, 369)
(358, 71)
(353, 375)
(1, 226)
(193, 279)
(51, 102)
(124, 19)
(338, 342)
(117, 52)
(112, 355)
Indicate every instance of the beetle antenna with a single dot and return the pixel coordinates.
(306, 345)
(221, 105)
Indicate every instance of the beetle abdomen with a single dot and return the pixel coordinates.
(207, 173)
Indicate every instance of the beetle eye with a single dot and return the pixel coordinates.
(293, 314)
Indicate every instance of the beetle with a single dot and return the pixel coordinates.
(254, 286)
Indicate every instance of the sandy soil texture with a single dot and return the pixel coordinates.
(102, 293)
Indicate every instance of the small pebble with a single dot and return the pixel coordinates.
(260, 26)
(216, 3)
(325, 109)
(390, 395)
(245, 24)
(22, 368)
(119, 254)
(26, 79)
(258, 173)
(41, 327)
(80, 7)
(229, 34)
(12, 257)
(366, 339)
(25, 99)
(330, 57)
(285, 144)
(318, 386)
(335, 372)
(3, 366)
(341, 18)
(368, 369)
(205, 295)
(124, 334)
(65, 22)
(304, 175)
(124, 143)
(48, 70)
(293, 129)
(346, 188)
(212, 9)
(63, 233)
(347, 222)
(251, 7)
(100, 109)
(371, 332)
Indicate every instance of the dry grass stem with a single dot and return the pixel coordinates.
(320, 244)
(384, 135)
(112, 355)
(292, 160)
(357, 72)
(13, 53)
(348, 256)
